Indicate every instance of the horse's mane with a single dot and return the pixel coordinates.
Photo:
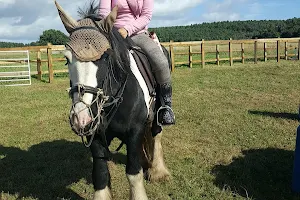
(119, 57)
(91, 10)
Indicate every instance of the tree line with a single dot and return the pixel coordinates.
(236, 30)
(209, 31)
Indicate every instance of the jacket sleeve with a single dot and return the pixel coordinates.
(143, 20)
(104, 8)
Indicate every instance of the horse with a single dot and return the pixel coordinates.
(110, 100)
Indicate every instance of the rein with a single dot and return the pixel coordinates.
(115, 103)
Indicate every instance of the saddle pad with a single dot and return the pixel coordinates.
(141, 81)
(145, 69)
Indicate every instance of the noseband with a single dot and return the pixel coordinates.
(99, 100)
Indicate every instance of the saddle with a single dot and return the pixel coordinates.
(143, 63)
(144, 67)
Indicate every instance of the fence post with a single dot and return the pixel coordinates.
(218, 54)
(265, 52)
(202, 53)
(255, 51)
(230, 52)
(172, 56)
(190, 56)
(299, 50)
(285, 51)
(278, 50)
(243, 53)
(38, 65)
(50, 63)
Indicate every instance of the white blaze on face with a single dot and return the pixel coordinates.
(81, 73)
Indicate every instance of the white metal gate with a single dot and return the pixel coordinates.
(14, 68)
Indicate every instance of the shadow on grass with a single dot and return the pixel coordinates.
(261, 174)
(45, 170)
(36, 77)
(291, 116)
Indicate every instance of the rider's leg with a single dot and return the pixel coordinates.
(161, 70)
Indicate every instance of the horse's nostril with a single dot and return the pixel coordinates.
(85, 121)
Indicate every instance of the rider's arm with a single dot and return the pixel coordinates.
(104, 8)
(143, 20)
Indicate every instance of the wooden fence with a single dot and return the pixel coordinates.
(48, 50)
(233, 50)
(190, 53)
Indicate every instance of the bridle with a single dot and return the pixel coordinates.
(100, 120)
(99, 100)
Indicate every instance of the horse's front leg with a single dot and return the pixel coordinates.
(100, 175)
(134, 169)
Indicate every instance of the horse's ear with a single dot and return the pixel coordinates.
(108, 23)
(68, 21)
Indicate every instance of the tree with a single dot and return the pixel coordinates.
(54, 37)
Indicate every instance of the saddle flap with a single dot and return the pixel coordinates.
(144, 67)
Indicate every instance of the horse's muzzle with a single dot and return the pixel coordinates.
(82, 120)
(80, 116)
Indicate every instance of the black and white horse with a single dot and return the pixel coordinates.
(110, 99)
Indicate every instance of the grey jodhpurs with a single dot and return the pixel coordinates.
(157, 59)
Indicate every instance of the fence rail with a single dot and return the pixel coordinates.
(234, 50)
(48, 50)
(190, 53)
(14, 68)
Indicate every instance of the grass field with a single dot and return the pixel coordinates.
(234, 138)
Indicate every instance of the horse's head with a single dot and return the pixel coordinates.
(86, 54)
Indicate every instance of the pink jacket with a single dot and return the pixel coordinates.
(133, 15)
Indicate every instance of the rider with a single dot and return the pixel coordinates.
(132, 21)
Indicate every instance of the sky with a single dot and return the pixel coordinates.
(25, 20)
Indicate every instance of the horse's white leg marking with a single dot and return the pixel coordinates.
(104, 194)
(158, 170)
(137, 189)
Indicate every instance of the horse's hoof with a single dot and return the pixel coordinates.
(158, 175)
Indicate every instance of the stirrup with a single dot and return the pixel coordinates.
(157, 115)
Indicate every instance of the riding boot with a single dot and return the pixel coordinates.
(165, 113)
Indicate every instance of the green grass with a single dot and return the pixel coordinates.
(234, 138)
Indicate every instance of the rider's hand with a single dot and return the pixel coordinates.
(123, 32)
